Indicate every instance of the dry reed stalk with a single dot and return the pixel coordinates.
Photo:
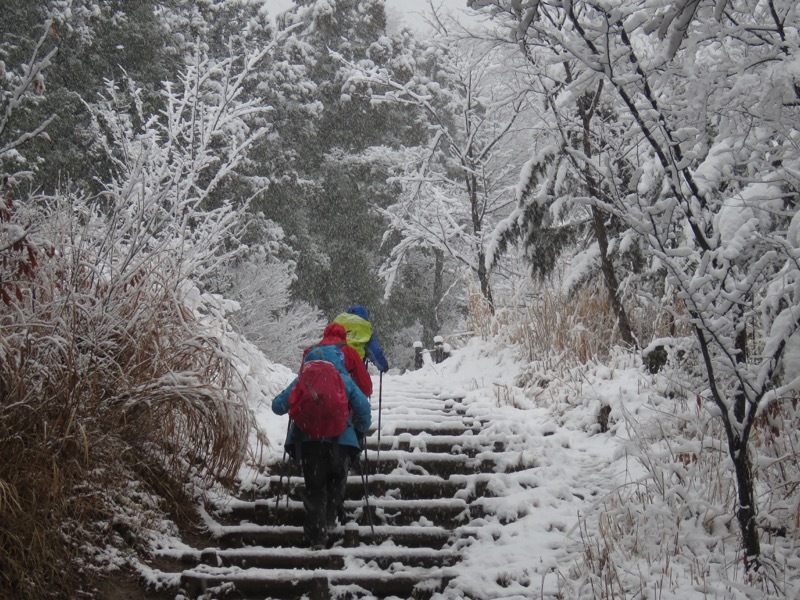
(552, 327)
(103, 386)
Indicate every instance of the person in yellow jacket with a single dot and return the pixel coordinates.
(360, 336)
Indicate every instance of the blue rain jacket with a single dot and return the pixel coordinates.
(360, 410)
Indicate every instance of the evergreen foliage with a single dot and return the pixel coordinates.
(325, 201)
(92, 42)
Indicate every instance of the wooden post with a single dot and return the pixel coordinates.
(417, 355)
(438, 349)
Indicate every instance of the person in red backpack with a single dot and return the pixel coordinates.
(325, 461)
(336, 335)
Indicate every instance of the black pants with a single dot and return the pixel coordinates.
(325, 468)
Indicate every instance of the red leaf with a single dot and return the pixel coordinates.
(32, 256)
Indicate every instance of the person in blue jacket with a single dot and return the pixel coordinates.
(360, 336)
(326, 462)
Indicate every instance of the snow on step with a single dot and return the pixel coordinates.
(295, 582)
(441, 511)
(430, 488)
(333, 558)
(250, 534)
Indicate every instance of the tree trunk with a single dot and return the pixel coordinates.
(610, 278)
(483, 277)
(746, 514)
(586, 107)
(738, 435)
(430, 325)
(477, 229)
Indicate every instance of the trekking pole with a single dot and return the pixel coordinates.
(380, 410)
(281, 488)
(284, 471)
(363, 467)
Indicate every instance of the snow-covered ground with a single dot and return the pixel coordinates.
(520, 551)
(590, 520)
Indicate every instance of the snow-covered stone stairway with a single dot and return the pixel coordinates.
(426, 487)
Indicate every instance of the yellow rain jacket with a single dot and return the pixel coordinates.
(359, 331)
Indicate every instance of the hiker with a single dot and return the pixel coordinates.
(336, 335)
(360, 336)
(325, 460)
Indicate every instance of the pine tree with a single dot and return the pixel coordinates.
(93, 42)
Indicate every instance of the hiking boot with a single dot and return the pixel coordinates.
(335, 516)
(319, 543)
(332, 520)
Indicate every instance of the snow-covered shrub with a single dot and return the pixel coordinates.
(268, 316)
(115, 369)
(103, 386)
(670, 528)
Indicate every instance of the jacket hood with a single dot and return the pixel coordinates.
(335, 333)
(359, 311)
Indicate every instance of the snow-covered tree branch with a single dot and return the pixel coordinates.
(703, 172)
(456, 184)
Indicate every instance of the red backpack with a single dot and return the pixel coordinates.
(318, 401)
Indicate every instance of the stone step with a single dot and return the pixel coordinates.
(333, 558)
(435, 437)
(409, 487)
(393, 402)
(425, 463)
(436, 408)
(445, 444)
(418, 487)
(444, 512)
(426, 488)
(237, 536)
(400, 462)
(451, 426)
(317, 584)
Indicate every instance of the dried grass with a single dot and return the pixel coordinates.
(103, 389)
(559, 331)
(550, 327)
(648, 534)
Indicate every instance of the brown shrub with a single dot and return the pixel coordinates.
(114, 397)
